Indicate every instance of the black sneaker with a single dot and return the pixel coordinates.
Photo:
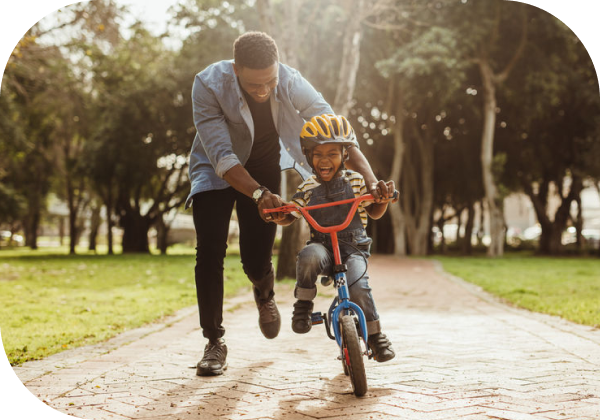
(269, 320)
(301, 320)
(213, 363)
(381, 347)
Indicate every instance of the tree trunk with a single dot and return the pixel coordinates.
(265, 16)
(550, 239)
(72, 213)
(466, 246)
(31, 225)
(579, 224)
(95, 223)
(135, 233)
(492, 196)
(597, 185)
(108, 202)
(394, 209)
(489, 81)
(417, 188)
(293, 236)
(162, 235)
(350, 57)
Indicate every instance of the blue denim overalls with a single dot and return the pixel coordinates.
(317, 257)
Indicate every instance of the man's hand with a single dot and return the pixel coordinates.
(270, 201)
(383, 191)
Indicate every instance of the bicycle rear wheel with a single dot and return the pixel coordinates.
(352, 357)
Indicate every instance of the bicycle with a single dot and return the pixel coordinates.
(345, 317)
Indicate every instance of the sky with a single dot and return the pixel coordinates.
(153, 13)
(150, 11)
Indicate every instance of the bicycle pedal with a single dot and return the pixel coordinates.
(316, 318)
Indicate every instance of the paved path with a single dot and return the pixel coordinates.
(460, 355)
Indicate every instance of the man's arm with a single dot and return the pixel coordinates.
(359, 163)
(212, 128)
(239, 178)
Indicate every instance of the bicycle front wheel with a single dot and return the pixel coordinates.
(352, 356)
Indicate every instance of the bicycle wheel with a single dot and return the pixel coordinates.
(352, 356)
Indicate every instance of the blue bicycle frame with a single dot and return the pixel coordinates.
(342, 305)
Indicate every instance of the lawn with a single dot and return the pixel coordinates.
(567, 287)
(50, 302)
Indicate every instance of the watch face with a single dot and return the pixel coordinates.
(257, 194)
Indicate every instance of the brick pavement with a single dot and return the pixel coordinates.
(461, 354)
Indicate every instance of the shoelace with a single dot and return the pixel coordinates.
(213, 352)
(270, 309)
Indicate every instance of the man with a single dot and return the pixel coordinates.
(248, 115)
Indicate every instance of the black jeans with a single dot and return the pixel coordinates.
(212, 213)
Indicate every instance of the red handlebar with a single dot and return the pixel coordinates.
(329, 229)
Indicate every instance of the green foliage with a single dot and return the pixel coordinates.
(430, 63)
(104, 109)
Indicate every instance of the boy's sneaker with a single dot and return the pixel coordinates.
(301, 323)
(213, 363)
(381, 347)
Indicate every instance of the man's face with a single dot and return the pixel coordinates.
(258, 83)
(326, 159)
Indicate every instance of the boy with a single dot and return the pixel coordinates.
(325, 140)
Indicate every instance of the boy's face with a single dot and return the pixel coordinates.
(326, 159)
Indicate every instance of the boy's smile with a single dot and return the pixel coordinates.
(326, 160)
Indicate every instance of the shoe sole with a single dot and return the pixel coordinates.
(384, 360)
(301, 331)
(210, 372)
(270, 330)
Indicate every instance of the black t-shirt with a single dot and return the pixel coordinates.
(265, 152)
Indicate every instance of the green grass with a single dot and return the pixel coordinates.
(567, 287)
(51, 302)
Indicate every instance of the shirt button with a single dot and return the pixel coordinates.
(288, 149)
(301, 163)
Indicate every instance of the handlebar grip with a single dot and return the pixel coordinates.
(396, 194)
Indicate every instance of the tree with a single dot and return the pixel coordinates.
(45, 102)
(430, 76)
(490, 52)
(141, 149)
(551, 148)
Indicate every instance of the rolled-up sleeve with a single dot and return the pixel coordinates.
(212, 128)
(306, 99)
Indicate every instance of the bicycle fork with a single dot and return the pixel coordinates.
(341, 304)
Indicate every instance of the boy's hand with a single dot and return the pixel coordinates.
(383, 191)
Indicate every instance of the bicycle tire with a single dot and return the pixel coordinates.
(352, 357)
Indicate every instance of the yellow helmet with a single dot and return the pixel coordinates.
(327, 128)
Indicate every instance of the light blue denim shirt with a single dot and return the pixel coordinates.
(225, 130)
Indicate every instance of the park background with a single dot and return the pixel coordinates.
(434, 64)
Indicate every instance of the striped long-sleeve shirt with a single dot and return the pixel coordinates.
(357, 182)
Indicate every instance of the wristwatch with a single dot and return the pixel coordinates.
(257, 194)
